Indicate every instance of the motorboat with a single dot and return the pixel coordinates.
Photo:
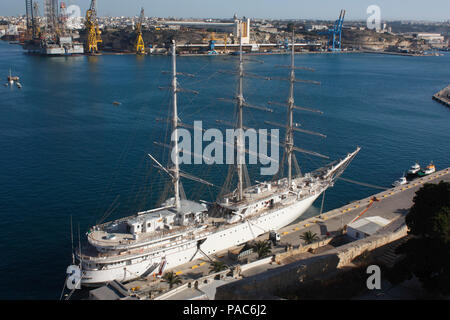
(402, 181)
(414, 169)
(428, 170)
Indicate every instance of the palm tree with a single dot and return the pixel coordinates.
(171, 278)
(262, 248)
(217, 266)
(309, 237)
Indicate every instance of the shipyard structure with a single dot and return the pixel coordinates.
(50, 34)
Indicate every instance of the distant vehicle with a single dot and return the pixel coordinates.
(274, 236)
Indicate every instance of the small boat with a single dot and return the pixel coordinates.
(400, 182)
(11, 79)
(116, 103)
(414, 169)
(18, 85)
(428, 170)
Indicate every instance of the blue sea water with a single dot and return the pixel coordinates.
(67, 150)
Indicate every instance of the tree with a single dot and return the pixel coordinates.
(309, 237)
(217, 266)
(427, 252)
(262, 248)
(171, 278)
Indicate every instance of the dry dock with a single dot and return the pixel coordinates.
(443, 96)
(198, 283)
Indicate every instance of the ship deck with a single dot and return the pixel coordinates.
(261, 191)
(99, 237)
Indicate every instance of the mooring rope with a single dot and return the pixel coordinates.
(363, 184)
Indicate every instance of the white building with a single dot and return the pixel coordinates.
(242, 28)
(432, 38)
(366, 227)
(12, 30)
(317, 27)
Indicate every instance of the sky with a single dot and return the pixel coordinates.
(431, 10)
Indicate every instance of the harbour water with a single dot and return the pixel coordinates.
(67, 150)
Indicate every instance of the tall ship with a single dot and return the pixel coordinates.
(181, 230)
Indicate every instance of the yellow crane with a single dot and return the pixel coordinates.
(139, 44)
(93, 30)
(214, 37)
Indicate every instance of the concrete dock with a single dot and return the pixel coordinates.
(198, 283)
(443, 96)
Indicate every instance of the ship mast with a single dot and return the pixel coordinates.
(289, 129)
(239, 167)
(176, 169)
(240, 142)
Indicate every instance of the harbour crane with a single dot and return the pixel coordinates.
(94, 33)
(213, 38)
(335, 34)
(139, 45)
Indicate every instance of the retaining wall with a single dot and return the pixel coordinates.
(279, 280)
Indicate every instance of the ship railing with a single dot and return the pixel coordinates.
(275, 206)
(164, 233)
(130, 254)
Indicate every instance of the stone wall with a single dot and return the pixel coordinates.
(276, 281)
(390, 233)
(272, 282)
(280, 257)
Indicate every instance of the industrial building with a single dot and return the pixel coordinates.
(366, 227)
(431, 38)
(237, 28)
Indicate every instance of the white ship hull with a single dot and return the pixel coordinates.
(215, 242)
